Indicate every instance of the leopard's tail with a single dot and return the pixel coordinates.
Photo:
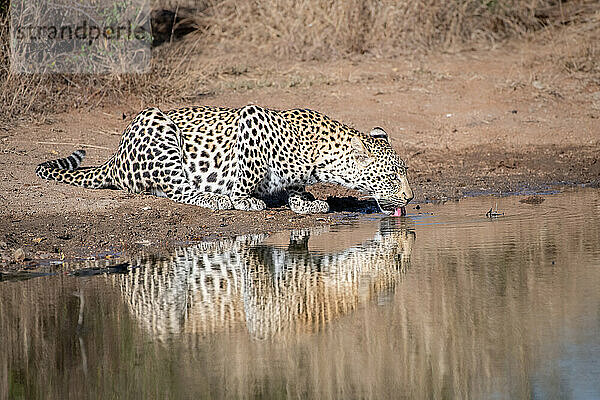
(67, 170)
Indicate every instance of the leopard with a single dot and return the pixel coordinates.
(274, 287)
(225, 158)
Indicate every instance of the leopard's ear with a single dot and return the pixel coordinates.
(379, 133)
(360, 152)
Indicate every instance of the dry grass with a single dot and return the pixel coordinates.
(23, 96)
(233, 37)
(319, 29)
(576, 49)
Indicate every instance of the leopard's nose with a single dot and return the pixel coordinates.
(408, 194)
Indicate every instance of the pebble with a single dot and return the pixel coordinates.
(538, 85)
(19, 255)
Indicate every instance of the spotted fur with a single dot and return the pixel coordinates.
(273, 290)
(223, 158)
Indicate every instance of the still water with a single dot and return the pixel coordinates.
(442, 304)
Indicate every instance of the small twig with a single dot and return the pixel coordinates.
(74, 145)
(17, 152)
(79, 294)
(493, 213)
(107, 132)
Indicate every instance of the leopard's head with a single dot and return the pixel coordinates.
(381, 172)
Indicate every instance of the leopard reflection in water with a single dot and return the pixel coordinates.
(272, 289)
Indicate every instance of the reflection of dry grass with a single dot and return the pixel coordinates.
(238, 43)
(43, 355)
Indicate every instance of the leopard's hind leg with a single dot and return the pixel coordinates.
(149, 160)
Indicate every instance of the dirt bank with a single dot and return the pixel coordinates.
(465, 123)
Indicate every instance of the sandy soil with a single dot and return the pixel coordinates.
(468, 123)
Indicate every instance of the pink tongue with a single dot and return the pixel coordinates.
(400, 212)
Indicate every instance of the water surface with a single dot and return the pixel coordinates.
(444, 305)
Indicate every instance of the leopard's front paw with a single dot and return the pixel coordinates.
(249, 204)
(301, 206)
(217, 202)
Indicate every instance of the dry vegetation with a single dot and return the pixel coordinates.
(234, 38)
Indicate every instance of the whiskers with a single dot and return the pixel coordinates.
(387, 205)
